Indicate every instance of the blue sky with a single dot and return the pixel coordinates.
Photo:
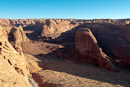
(79, 9)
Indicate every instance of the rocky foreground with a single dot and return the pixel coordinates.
(63, 73)
(56, 53)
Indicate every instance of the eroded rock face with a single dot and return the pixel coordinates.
(21, 42)
(88, 50)
(54, 29)
(4, 21)
(123, 55)
(13, 66)
(25, 22)
(18, 36)
(112, 35)
(114, 39)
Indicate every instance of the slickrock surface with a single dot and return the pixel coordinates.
(13, 66)
(88, 50)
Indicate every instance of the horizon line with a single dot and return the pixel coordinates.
(65, 18)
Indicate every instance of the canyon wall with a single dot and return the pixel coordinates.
(13, 66)
(113, 36)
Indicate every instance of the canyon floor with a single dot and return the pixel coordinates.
(54, 72)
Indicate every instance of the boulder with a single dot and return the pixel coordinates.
(88, 51)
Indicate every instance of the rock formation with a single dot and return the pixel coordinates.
(25, 22)
(21, 42)
(114, 39)
(123, 55)
(106, 31)
(53, 28)
(13, 66)
(112, 35)
(4, 21)
(18, 36)
(88, 50)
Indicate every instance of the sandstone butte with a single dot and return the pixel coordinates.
(89, 51)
